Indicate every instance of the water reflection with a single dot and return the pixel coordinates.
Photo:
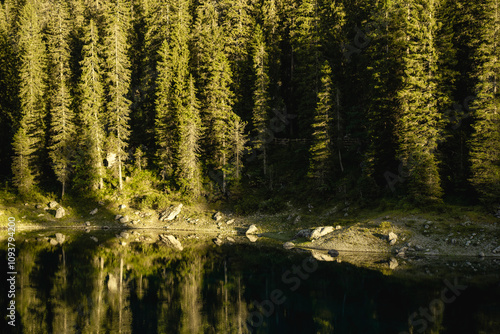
(146, 287)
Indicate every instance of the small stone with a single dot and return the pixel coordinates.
(171, 241)
(60, 238)
(39, 206)
(481, 254)
(392, 237)
(333, 252)
(320, 232)
(303, 234)
(124, 235)
(338, 227)
(467, 243)
(288, 245)
(93, 212)
(123, 243)
(118, 217)
(230, 239)
(122, 206)
(496, 250)
(346, 214)
(52, 205)
(230, 221)
(53, 242)
(217, 241)
(87, 223)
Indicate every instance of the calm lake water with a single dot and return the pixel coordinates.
(85, 286)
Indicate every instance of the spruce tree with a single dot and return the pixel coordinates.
(261, 99)
(117, 72)
(419, 122)
(485, 142)
(90, 105)
(62, 128)
(320, 150)
(29, 141)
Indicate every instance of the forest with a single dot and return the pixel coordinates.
(252, 101)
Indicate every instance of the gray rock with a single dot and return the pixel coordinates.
(217, 241)
(171, 241)
(60, 212)
(496, 250)
(481, 254)
(53, 205)
(124, 219)
(60, 238)
(333, 252)
(217, 216)
(303, 234)
(93, 212)
(320, 231)
(288, 245)
(252, 230)
(230, 221)
(171, 213)
(297, 220)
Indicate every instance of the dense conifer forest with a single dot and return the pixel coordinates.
(252, 101)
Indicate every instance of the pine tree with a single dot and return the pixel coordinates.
(320, 150)
(117, 74)
(62, 116)
(419, 121)
(261, 98)
(91, 102)
(188, 167)
(485, 142)
(29, 141)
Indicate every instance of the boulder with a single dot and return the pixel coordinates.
(288, 245)
(171, 213)
(93, 212)
(60, 212)
(392, 237)
(303, 234)
(217, 241)
(320, 231)
(217, 216)
(393, 263)
(53, 205)
(124, 219)
(252, 230)
(60, 238)
(252, 237)
(171, 241)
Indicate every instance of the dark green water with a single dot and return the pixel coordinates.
(88, 287)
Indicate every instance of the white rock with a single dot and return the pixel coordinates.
(252, 229)
(171, 241)
(320, 231)
(118, 217)
(60, 212)
(93, 212)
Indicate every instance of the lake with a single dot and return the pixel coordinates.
(133, 284)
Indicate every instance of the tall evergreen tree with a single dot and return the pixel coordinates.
(485, 142)
(29, 141)
(419, 121)
(90, 105)
(62, 116)
(320, 150)
(117, 73)
(261, 98)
